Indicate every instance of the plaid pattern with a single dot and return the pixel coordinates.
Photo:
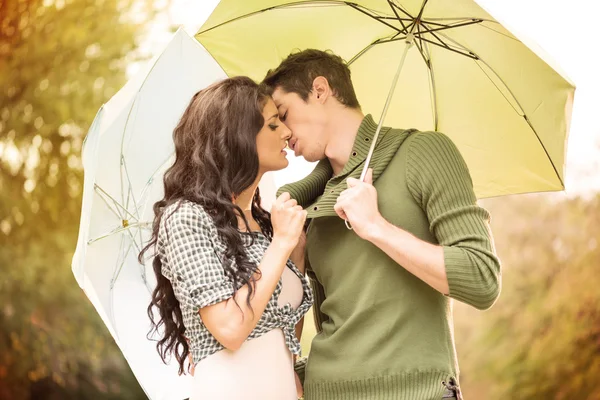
(191, 252)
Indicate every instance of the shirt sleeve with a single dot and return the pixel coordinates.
(439, 180)
(196, 267)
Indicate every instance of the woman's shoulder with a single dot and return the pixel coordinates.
(186, 213)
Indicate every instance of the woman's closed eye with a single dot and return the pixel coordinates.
(273, 127)
(283, 117)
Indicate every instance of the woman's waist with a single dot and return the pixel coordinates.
(268, 351)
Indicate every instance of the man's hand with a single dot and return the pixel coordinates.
(358, 205)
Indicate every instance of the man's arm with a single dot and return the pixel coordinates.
(463, 265)
(422, 259)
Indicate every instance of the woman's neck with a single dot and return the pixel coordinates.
(244, 201)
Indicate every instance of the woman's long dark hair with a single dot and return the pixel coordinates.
(215, 160)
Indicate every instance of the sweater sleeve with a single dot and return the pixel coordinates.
(439, 180)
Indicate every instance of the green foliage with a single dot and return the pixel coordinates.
(59, 61)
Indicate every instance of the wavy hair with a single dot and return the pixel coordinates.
(216, 159)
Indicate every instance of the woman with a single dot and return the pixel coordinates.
(227, 293)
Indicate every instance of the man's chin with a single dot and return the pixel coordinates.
(308, 157)
(315, 159)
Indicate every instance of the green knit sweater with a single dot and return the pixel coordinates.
(383, 333)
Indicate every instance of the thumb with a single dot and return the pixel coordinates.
(369, 176)
(352, 182)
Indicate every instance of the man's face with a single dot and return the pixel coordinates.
(307, 122)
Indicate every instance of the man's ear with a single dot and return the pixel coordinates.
(321, 89)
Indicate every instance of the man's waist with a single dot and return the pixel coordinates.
(402, 385)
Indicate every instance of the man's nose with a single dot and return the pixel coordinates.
(287, 133)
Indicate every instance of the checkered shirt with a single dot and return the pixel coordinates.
(191, 252)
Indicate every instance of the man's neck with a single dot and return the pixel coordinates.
(343, 128)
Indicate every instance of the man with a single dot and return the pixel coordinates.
(384, 289)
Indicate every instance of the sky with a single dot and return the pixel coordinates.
(562, 31)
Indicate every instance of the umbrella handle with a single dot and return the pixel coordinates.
(409, 42)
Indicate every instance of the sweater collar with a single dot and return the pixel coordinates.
(362, 143)
(307, 190)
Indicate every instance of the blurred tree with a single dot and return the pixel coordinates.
(542, 339)
(59, 61)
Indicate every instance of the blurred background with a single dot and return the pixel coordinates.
(60, 60)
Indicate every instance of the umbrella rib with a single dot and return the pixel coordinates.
(440, 40)
(420, 48)
(120, 262)
(398, 16)
(139, 232)
(394, 5)
(104, 236)
(545, 150)
(102, 193)
(362, 52)
(457, 44)
(376, 18)
(139, 249)
(461, 19)
(116, 202)
(470, 55)
(459, 25)
(429, 21)
(130, 190)
(132, 236)
(477, 58)
(151, 179)
(432, 88)
(395, 18)
(520, 113)
(118, 230)
(121, 167)
(291, 4)
(112, 284)
(500, 33)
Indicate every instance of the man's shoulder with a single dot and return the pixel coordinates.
(419, 148)
(429, 139)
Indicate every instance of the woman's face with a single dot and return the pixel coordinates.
(271, 140)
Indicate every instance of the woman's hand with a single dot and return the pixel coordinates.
(287, 218)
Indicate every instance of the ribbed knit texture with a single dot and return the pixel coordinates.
(426, 385)
(383, 333)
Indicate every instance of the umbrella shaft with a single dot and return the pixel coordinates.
(409, 43)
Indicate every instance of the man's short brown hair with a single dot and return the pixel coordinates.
(297, 72)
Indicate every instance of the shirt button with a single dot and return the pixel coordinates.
(316, 208)
(353, 154)
(179, 278)
(367, 139)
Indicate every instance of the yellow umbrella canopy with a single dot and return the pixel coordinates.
(460, 72)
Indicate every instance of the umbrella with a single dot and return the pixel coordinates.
(457, 69)
(125, 153)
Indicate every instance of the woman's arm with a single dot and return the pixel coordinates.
(231, 321)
